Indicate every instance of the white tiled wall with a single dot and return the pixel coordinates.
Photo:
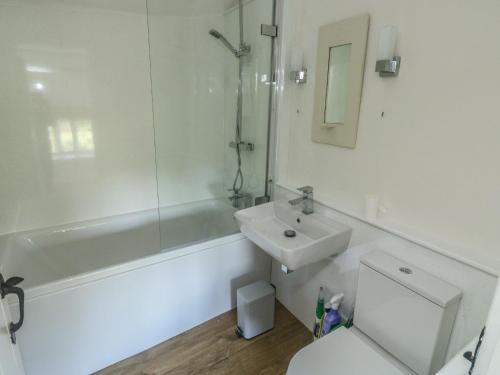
(77, 139)
(76, 134)
(188, 89)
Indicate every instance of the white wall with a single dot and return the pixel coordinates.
(79, 73)
(188, 90)
(298, 291)
(433, 157)
(495, 363)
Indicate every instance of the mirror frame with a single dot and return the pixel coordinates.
(352, 31)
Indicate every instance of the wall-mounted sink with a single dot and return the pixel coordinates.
(308, 238)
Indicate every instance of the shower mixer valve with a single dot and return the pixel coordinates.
(240, 200)
(244, 146)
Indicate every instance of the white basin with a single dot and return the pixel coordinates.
(317, 236)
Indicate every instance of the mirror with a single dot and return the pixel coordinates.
(338, 79)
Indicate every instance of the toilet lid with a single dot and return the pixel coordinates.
(341, 353)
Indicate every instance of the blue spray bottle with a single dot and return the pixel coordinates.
(332, 316)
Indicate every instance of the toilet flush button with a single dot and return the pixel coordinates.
(406, 270)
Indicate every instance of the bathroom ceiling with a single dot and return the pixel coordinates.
(190, 7)
(166, 7)
(120, 5)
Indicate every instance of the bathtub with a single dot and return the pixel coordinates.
(100, 291)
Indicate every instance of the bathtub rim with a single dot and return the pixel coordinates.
(61, 285)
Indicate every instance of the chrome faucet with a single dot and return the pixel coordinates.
(306, 200)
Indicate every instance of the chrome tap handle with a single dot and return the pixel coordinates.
(307, 199)
(306, 189)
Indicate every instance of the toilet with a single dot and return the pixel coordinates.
(403, 319)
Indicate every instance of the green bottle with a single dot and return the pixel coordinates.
(320, 311)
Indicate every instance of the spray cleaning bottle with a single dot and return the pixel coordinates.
(332, 317)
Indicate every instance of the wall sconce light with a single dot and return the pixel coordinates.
(387, 63)
(298, 73)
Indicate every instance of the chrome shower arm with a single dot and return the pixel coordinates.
(229, 45)
(244, 48)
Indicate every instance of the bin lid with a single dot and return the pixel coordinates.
(255, 291)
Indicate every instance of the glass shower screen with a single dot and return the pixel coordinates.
(210, 73)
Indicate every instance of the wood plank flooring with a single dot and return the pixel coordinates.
(213, 348)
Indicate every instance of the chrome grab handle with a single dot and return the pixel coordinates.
(9, 287)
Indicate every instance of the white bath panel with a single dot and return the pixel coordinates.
(91, 325)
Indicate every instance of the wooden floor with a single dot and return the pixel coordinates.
(213, 348)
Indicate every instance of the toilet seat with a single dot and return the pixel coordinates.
(341, 353)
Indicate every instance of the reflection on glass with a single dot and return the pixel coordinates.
(38, 69)
(38, 86)
(71, 139)
(338, 80)
(84, 136)
(65, 137)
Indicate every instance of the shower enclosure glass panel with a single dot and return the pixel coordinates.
(87, 181)
(201, 137)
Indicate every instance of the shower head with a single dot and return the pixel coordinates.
(228, 45)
